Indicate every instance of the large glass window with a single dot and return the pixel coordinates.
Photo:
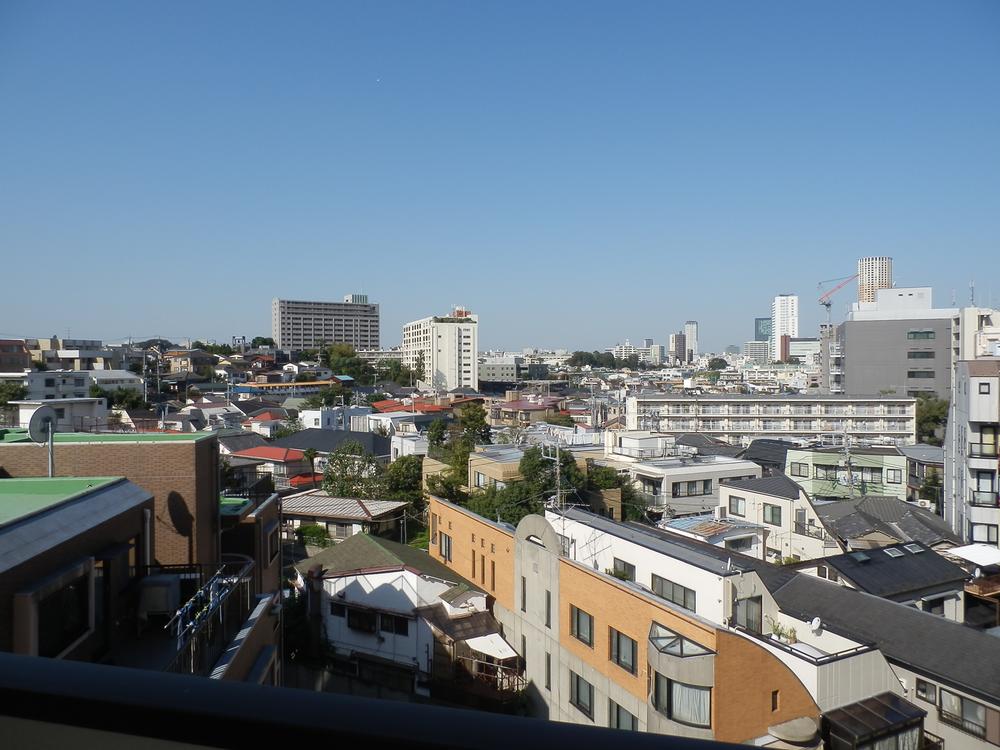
(686, 704)
(737, 506)
(963, 713)
(673, 592)
(619, 718)
(63, 616)
(622, 650)
(666, 641)
(581, 625)
(749, 614)
(581, 694)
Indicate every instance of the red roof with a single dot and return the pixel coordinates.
(268, 416)
(388, 405)
(271, 453)
(306, 480)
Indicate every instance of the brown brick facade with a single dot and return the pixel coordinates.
(182, 476)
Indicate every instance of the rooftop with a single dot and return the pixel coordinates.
(21, 436)
(891, 516)
(931, 454)
(321, 505)
(778, 485)
(20, 498)
(661, 395)
(897, 570)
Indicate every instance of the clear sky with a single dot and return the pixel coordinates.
(577, 173)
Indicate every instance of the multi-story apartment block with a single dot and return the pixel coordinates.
(836, 473)
(874, 273)
(14, 356)
(757, 351)
(972, 503)
(446, 348)
(739, 419)
(298, 324)
(630, 626)
(72, 354)
(784, 321)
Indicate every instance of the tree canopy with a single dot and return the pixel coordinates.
(12, 392)
(717, 363)
(932, 416)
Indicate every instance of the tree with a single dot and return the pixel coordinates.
(330, 396)
(932, 416)
(436, 433)
(309, 454)
(930, 489)
(717, 363)
(559, 419)
(12, 392)
(475, 428)
(404, 480)
(259, 341)
(351, 472)
(343, 360)
(289, 427)
(122, 398)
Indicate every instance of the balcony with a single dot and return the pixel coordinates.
(815, 532)
(982, 450)
(987, 586)
(54, 702)
(984, 499)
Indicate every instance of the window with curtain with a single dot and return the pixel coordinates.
(963, 713)
(686, 704)
(749, 614)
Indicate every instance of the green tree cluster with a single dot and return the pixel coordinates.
(330, 396)
(717, 363)
(932, 416)
(222, 349)
(351, 472)
(453, 446)
(344, 360)
(123, 398)
(605, 360)
(12, 392)
(258, 341)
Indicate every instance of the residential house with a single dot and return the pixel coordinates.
(325, 442)
(724, 531)
(685, 485)
(925, 476)
(189, 360)
(281, 463)
(72, 414)
(836, 473)
(343, 517)
(14, 356)
(875, 521)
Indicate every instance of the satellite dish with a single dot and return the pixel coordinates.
(42, 422)
(816, 625)
(41, 428)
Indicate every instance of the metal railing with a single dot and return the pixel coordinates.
(983, 450)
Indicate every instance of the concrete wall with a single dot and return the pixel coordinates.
(875, 356)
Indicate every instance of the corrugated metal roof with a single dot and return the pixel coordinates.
(318, 503)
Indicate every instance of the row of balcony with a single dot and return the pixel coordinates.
(782, 425)
(783, 410)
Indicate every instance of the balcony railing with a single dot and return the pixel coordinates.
(811, 531)
(983, 450)
(984, 499)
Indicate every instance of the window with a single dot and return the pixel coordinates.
(273, 544)
(493, 575)
(775, 700)
(984, 389)
(926, 691)
(473, 565)
(64, 616)
(920, 355)
(919, 335)
(673, 592)
(822, 471)
(740, 544)
(825, 571)
(772, 514)
(983, 532)
(581, 694)
(548, 608)
(749, 614)
(799, 469)
(338, 610)
(581, 625)
(445, 547)
(394, 624)
(686, 704)
(737, 506)
(524, 649)
(548, 671)
(622, 650)
(963, 713)
(894, 476)
(918, 374)
(524, 594)
(624, 570)
(361, 619)
(619, 718)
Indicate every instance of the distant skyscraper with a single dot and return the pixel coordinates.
(784, 321)
(646, 343)
(691, 336)
(873, 274)
(761, 329)
(679, 348)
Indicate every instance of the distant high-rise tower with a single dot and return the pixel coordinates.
(761, 329)
(784, 321)
(691, 337)
(873, 274)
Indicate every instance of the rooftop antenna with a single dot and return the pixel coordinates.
(972, 293)
(41, 428)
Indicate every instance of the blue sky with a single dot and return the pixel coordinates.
(577, 173)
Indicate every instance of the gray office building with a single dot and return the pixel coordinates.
(761, 329)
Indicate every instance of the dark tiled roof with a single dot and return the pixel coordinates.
(364, 552)
(768, 452)
(327, 441)
(928, 644)
(849, 519)
(461, 627)
(708, 446)
(778, 485)
(241, 442)
(902, 572)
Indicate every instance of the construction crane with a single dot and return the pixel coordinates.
(826, 297)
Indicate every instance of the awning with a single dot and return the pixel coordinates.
(492, 645)
(979, 554)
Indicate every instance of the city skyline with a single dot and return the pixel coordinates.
(385, 149)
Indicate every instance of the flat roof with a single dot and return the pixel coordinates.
(20, 498)
(21, 436)
(660, 395)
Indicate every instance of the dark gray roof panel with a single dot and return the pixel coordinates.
(891, 516)
(897, 573)
(327, 441)
(778, 485)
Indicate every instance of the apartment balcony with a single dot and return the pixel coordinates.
(982, 450)
(984, 499)
(987, 586)
(54, 703)
(812, 531)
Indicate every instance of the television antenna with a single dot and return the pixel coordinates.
(41, 428)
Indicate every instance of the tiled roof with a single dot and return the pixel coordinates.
(272, 453)
(778, 486)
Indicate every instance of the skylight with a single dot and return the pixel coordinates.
(914, 549)
(894, 552)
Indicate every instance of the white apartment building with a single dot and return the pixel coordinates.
(757, 351)
(784, 321)
(300, 324)
(739, 419)
(874, 273)
(972, 503)
(62, 384)
(446, 347)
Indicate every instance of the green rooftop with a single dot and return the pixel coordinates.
(24, 497)
(21, 436)
(232, 506)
